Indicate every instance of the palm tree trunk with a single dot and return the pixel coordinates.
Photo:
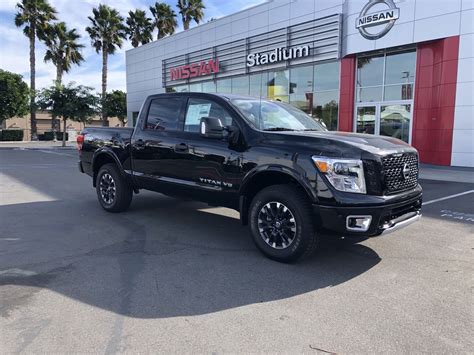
(54, 120)
(185, 24)
(105, 123)
(59, 74)
(34, 135)
(64, 132)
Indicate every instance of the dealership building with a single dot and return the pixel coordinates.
(385, 67)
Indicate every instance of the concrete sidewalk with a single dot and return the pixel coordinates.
(38, 145)
(446, 173)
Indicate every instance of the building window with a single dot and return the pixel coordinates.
(386, 77)
(178, 88)
(240, 85)
(278, 85)
(326, 94)
(384, 97)
(258, 84)
(301, 88)
(209, 86)
(224, 86)
(196, 87)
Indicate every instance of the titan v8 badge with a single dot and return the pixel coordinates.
(215, 182)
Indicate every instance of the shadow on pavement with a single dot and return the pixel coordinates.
(163, 258)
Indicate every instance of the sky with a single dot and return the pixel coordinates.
(14, 46)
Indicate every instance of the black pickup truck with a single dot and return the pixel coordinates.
(291, 180)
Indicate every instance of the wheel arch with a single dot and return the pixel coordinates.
(104, 156)
(268, 176)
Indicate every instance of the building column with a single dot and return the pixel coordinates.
(434, 101)
(346, 94)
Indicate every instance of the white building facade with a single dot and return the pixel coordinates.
(396, 68)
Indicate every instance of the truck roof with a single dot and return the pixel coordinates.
(204, 94)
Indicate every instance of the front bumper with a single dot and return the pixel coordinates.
(385, 218)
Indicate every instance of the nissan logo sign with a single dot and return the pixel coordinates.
(381, 21)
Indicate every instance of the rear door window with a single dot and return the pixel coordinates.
(164, 114)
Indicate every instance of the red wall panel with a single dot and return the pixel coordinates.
(435, 96)
(346, 94)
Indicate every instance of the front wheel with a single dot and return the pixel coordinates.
(113, 191)
(282, 223)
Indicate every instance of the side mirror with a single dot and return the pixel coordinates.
(211, 127)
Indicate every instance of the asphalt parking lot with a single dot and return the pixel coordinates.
(176, 276)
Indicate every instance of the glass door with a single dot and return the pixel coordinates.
(366, 119)
(386, 119)
(395, 121)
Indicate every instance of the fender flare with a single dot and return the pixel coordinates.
(110, 153)
(284, 170)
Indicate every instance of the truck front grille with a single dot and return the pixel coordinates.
(400, 172)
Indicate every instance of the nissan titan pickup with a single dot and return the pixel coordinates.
(291, 180)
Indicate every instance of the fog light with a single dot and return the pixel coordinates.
(358, 223)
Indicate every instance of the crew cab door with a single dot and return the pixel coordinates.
(213, 167)
(154, 141)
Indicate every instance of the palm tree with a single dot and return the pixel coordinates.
(63, 51)
(191, 10)
(63, 48)
(139, 28)
(34, 16)
(107, 33)
(164, 19)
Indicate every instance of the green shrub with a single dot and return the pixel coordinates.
(11, 135)
(49, 136)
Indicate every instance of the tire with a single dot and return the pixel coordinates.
(113, 191)
(281, 222)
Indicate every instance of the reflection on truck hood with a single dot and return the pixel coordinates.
(378, 145)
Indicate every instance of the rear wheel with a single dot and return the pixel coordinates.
(282, 223)
(113, 191)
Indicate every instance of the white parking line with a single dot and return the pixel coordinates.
(447, 197)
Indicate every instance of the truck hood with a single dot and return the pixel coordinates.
(347, 143)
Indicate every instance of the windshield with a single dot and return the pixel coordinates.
(275, 116)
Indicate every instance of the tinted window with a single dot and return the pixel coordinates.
(370, 71)
(198, 108)
(163, 114)
(400, 68)
(326, 76)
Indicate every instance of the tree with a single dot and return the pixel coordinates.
(164, 19)
(139, 28)
(191, 10)
(34, 16)
(107, 33)
(14, 95)
(63, 48)
(116, 105)
(63, 51)
(71, 102)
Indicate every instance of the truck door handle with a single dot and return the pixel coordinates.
(181, 147)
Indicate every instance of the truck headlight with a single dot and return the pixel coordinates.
(344, 174)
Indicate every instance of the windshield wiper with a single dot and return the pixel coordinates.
(278, 129)
(310, 129)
